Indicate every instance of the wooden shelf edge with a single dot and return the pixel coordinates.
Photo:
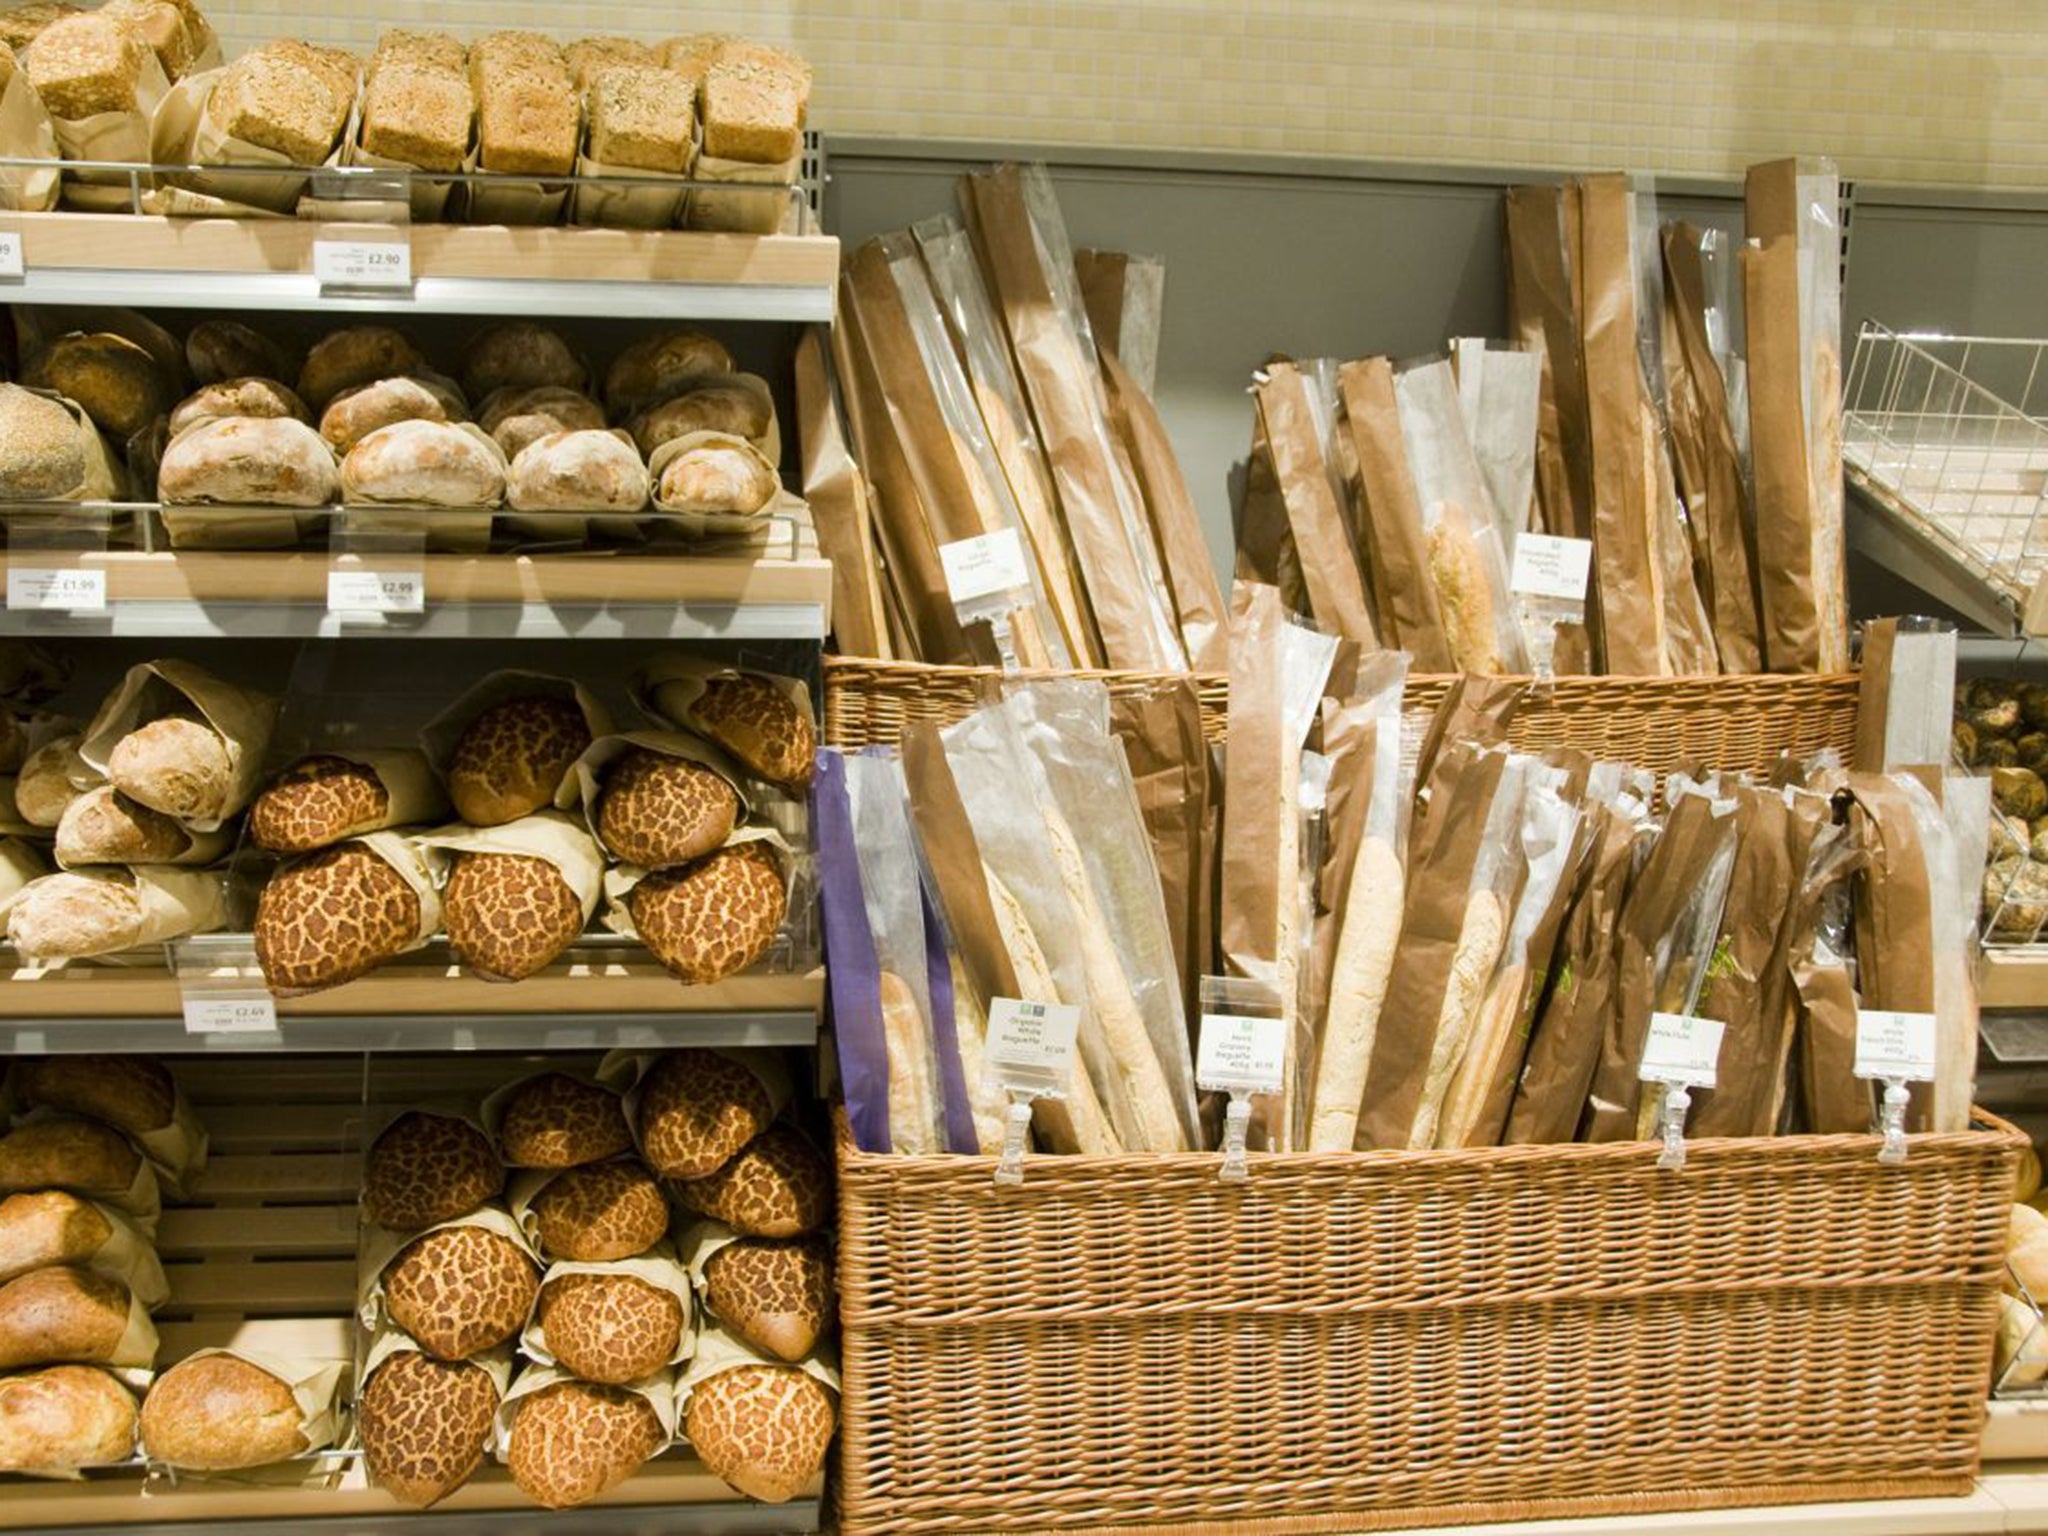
(2013, 978)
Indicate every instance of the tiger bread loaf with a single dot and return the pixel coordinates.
(218, 351)
(327, 798)
(176, 765)
(521, 354)
(424, 1169)
(43, 454)
(460, 1290)
(657, 810)
(571, 1441)
(528, 116)
(424, 463)
(762, 721)
(639, 120)
(517, 418)
(70, 1316)
(133, 1094)
(713, 475)
(114, 380)
(653, 370)
(80, 914)
(332, 917)
(221, 1413)
(558, 1121)
(49, 781)
(752, 115)
(764, 1429)
(64, 1419)
(419, 108)
(714, 918)
(778, 1186)
(286, 97)
(586, 471)
(775, 1295)
(511, 758)
(357, 354)
(260, 399)
(698, 1109)
(509, 915)
(87, 64)
(161, 25)
(587, 57)
(248, 461)
(357, 412)
(737, 405)
(424, 1424)
(103, 826)
(596, 1213)
(81, 1156)
(612, 1328)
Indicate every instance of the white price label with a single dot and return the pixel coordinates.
(376, 591)
(71, 589)
(1553, 568)
(1031, 1041)
(230, 1016)
(362, 263)
(1239, 1054)
(1682, 1050)
(11, 263)
(1890, 1044)
(982, 567)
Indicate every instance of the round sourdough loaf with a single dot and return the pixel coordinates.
(764, 1429)
(219, 1413)
(63, 1315)
(728, 408)
(424, 1425)
(114, 380)
(250, 461)
(521, 354)
(45, 788)
(508, 915)
(130, 1093)
(599, 1213)
(424, 1169)
(778, 1187)
(79, 1155)
(74, 915)
(42, 453)
(63, 1419)
(697, 1110)
(758, 722)
(316, 802)
(715, 477)
(332, 917)
(424, 463)
(512, 757)
(518, 418)
(103, 826)
(714, 918)
(613, 1329)
(460, 1291)
(558, 1121)
(260, 399)
(777, 1296)
(650, 371)
(658, 811)
(573, 1440)
(176, 766)
(39, 1228)
(218, 350)
(355, 413)
(360, 354)
(587, 471)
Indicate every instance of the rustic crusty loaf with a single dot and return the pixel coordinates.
(39, 1228)
(558, 1121)
(61, 1315)
(115, 381)
(42, 455)
(612, 1329)
(697, 1110)
(764, 1429)
(424, 1425)
(778, 1186)
(714, 918)
(219, 350)
(79, 1155)
(521, 354)
(717, 477)
(638, 119)
(284, 98)
(355, 413)
(589, 56)
(44, 787)
(419, 108)
(775, 1295)
(519, 418)
(658, 811)
(712, 407)
(103, 826)
(86, 64)
(508, 915)
(219, 1413)
(752, 115)
(460, 1291)
(159, 24)
(511, 759)
(75, 915)
(23, 24)
(573, 1440)
(130, 1093)
(651, 371)
(63, 1419)
(254, 397)
(249, 461)
(317, 802)
(332, 917)
(360, 354)
(424, 1169)
(599, 1212)
(528, 116)
(587, 471)
(424, 463)
(176, 766)
(759, 722)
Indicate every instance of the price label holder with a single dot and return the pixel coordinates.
(1548, 581)
(1683, 1052)
(222, 991)
(1895, 1049)
(54, 561)
(1030, 1055)
(989, 580)
(376, 567)
(13, 264)
(1242, 1051)
(362, 237)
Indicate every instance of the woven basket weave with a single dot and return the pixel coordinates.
(1375, 1340)
(1734, 723)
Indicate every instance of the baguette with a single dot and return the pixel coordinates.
(913, 1095)
(1370, 933)
(1478, 951)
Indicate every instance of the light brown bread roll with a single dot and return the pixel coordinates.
(721, 478)
(46, 784)
(74, 916)
(64, 1419)
(714, 918)
(248, 461)
(599, 1213)
(518, 418)
(115, 380)
(355, 413)
(176, 766)
(220, 350)
(59, 1316)
(759, 722)
(511, 759)
(558, 1121)
(777, 1296)
(613, 1329)
(42, 453)
(103, 826)
(356, 355)
(711, 407)
(697, 1110)
(332, 917)
(40, 1228)
(317, 802)
(82, 1156)
(130, 1093)
(424, 1169)
(508, 915)
(659, 811)
(521, 354)
(573, 1440)
(588, 471)
(779, 1186)
(261, 399)
(651, 371)
(219, 1413)
(424, 463)
(424, 1425)
(460, 1291)
(763, 1428)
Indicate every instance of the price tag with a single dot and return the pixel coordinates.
(362, 263)
(1895, 1046)
(1241, 1054)
(1553, 568)
(1682, 1050)
(230, 1016)
(981, 567)
(376, 591)
(1031, 1045)
(11, 264)
(69, 589)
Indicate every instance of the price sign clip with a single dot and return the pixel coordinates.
(1029, 1056)
(1683, 1052)
(1897, 1049)
(1242, 1051)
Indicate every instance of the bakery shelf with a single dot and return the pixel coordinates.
(2015, 977)
(261, 264)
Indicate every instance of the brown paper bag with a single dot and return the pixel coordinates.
(1161, 732)
(1390, 518)
(837, 492)
(1266, 555)
(241, 718)
(1832, 1100)
(27, 133)
(117, 136)
(1308, 491)
(1786, 515)
(762, 212)
(656, 203)
(1543, 309)
(1125, 296)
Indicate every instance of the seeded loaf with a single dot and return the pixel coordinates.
(42, 455)
(422, 50)
(519, 418)
(116, 382)
(161, 25)
(528, 116)
(589, 57)
(752, 115)
(248, 461)
(639, 120)
(23, 24)
(284, 97)
(514, 49)
(83, 65)
(261, 399)
(221, 350)
(420, 110)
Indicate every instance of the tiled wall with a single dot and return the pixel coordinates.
(1941, 91)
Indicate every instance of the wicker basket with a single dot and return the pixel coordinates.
(1377, 1340)
(1735, 723)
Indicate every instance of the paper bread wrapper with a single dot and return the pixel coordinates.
(659, 1267)
(243, 720)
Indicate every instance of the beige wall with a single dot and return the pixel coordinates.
(1896, 90)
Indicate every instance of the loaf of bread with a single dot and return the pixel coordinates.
(220, 350)
(460, 1290)
(300, 944)
(651, 371)
(64, 1419)
(609, 1328)
(260, 399)
(360, 354)
(558, 1121)
(756, 719)
(424, 1169)
(775, 1295)
(22, 24)
(44, 1227)
(512, 757)
(639, 120)
(286, 98)
(736, 409)
(588, 57)
(317, 802)
(695, 56)
(177, 766)
(697, 1109)
(115, 381)
(764, 1429)
(528, 117)
(521, 354)
(86, 64)
(62, 1315)
(584, 471)
(43, 455)
(424, 50)
(355, 413)
(103, 826)
(778, 1186)
(79, 914)
(131, 1093)
(161, 25)
(573, 1440)
(713, 474)
(219, 1413)
(48, 781)
(752, 115)
(419, 107)
(424, 1425)
(518, 418)
(714, 918)
(424, 463)
(82, 1156)
(597, 1213)
(508, 915)
(658, 811)
(248, 461)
